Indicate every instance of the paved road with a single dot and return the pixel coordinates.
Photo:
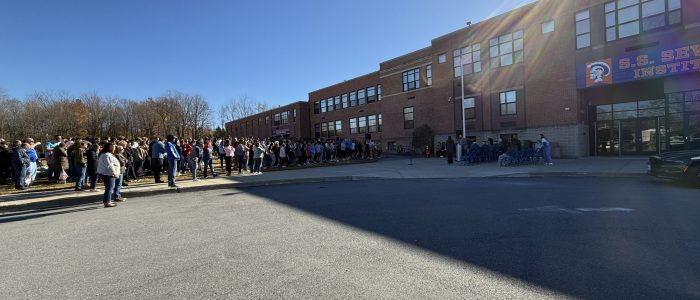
(442, 239)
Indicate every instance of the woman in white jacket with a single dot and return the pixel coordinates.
(109, 169)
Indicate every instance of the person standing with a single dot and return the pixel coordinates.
(450, 145)
(258, 154)
(157, 152)
(20, 163)
(50, 145)
(229, 153)
(5, 162)
(33, 161)
(240, 154)
(173, 157)
(80, 161)
(194, 157)
(60, 159)
(108, 167)
(547, 147)
(208, 157)
(92, 165)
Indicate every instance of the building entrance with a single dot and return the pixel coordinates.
(631, 128)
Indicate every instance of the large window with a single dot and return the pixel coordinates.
(353, 125)
(372, 123)
(468, 59)
(362, 124)
(276, 119)
(506, 49)
(411, 80)
(361, 97)
(317, 130)
(285, 118)
(379, 92)
(371, 94)
(324, 129)
(429, 75)
(508, 103)
(338, 128)
(379, 122)
(336, 102)
(408, 117)
(469, 110)
(331, 128)
(622, 17)
(323, 106)
(345, 101)
(583, 29)
(317, 107)
(330, 104)
(353, 99)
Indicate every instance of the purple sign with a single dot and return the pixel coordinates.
(647, 64)
(280, 131)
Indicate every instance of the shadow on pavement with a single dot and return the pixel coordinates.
(44, 213)
(587, 255)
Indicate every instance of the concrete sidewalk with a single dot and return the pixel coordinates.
(386, 168)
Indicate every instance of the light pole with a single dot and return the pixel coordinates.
(464, 125)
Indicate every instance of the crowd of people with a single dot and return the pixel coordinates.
(118, 161)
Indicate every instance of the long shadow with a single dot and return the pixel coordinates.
(41, 214)
(650, 253)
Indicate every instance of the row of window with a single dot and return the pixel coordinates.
(354, 98)
(278, 119)
(625, 18)
(359, 125)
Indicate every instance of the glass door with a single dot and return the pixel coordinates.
(692, 131)
(648, 141)
(628, 136)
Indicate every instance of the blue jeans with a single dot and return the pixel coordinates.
(172, 169)
(208, 164)
(81, 176)
(19, 176)
(109, 188)
(118, 186)
(93, 181)
(547, 155)
(32, 171)
(193, 168)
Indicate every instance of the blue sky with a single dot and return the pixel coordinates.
(273, 51)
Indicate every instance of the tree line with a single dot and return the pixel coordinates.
(44, 114)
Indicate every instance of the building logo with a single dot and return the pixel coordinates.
(599, 73)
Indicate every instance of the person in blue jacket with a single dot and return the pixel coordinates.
(173, 157)
(547, 147)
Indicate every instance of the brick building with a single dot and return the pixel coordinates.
(597, 77)
(288, 121)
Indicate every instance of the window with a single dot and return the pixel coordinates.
(267, 118)
(276, 119)
(361, 97)
(467, 59)
(323, 106)
(429, 75)
(379, 92)
(294, 118)
(583, 29)
(338, 128)
(506, 49)
(285, 118)
(411, 80)
(548, 27)
(331, 128)
(324, 129)
(442, 58)
(362, 124)
(353, 99)
(345, 101)
(508, 103)
(622, 17)
(330, 104)
(371, 95)
(379, 122)
(317, 107)
(468, 107)
(372, 123)
(337, 102)
(317, 130)
(353, 126)
(408, 117)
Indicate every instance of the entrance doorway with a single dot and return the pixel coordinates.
(637, 136)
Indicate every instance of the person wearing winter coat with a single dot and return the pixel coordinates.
(173, 156)
(20, 163)
(194, 157)
(109, 168)
(5, 162)
(91, 156)
(80, 163)
(60, 159)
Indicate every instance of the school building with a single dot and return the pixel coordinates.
(597, 77)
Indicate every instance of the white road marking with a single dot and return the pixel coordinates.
(575, 211)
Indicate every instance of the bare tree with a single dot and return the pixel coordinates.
(242, 107)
